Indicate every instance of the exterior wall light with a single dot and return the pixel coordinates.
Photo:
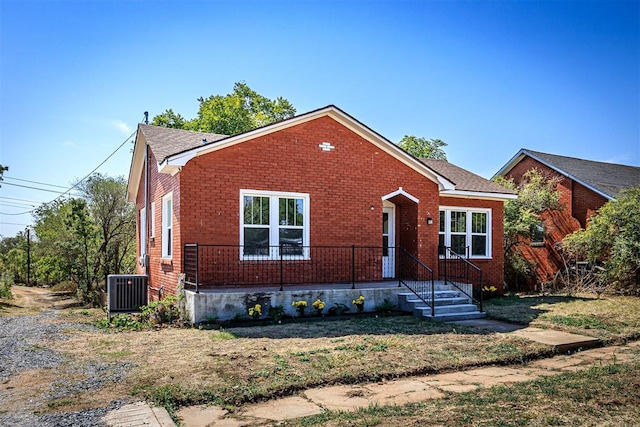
(429, 221)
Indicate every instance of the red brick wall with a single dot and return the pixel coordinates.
(579, 204)
(343, 186)
(585, 203)
(163, 273)
(492, 269)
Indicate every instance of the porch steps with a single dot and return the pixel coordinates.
(450, 305)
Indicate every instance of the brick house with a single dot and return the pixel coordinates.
(317, 198)
(584, 186)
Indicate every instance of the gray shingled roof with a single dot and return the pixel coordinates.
(165, 142)
(608, 178)
(463, 179)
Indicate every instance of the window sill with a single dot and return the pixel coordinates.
(286, 258)
(480, 258)
(537, 245)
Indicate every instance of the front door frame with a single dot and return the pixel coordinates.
(389, 261)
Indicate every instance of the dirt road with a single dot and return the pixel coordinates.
(30, 300)
(41, 385)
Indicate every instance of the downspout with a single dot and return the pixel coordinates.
(146, 200)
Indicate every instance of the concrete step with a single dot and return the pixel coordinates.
(406, 300)
(445, 309)
(450, 305)
(443, 301)
(453, 317)
(439, 286)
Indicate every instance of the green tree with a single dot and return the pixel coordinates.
(85, 233)
(13, 262)
(536, 193)
(169, 119)
(422, 147)
(55, 250)
(239, 111)
(114, 219)
(85, 239)
(613, 236)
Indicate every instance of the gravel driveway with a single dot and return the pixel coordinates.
(21, 350)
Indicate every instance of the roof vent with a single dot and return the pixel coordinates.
(204, 141)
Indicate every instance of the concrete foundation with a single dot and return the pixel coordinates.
(208, 305)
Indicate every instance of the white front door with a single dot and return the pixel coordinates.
(388, 242)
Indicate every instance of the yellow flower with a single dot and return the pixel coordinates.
(358, 301)
(255, 311)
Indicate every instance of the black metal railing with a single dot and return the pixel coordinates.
(417, 277)
(207, 265)
(456, 270)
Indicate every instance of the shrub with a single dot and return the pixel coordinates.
(613, 237)
(5, 290)
(276, 312)
(161, 311)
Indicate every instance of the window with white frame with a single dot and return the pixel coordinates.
(153, 220)
(271, 221)
(466, 231)
(143, 231)
(167, 225)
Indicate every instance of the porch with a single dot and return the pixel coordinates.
(222, 282)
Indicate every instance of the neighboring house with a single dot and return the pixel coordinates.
(584, 186)
(317, 198)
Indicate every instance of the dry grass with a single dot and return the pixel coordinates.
(603, 396)
(176, 367)
(247, 364)
(610, 319)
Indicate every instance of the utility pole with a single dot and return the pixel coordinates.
(28, 257)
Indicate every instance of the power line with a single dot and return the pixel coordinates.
(36, 188)
(21, 200)
(77, 183)
(17, 205)
(20, 213)
(14, 223)
(33, 182)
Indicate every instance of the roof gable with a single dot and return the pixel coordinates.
(173, 148)
(606, 179)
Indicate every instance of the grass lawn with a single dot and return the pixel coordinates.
(610, 319)
(602, 396)
(179, 367)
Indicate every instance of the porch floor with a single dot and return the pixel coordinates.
(223, 289)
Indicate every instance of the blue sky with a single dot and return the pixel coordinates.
(487, 77)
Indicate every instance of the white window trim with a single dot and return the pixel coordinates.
(152, 233)
(274, 227)
(469, 233)
(143, 231)
(165, 230)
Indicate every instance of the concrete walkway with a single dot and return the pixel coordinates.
(139, 414)
(408, 390)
